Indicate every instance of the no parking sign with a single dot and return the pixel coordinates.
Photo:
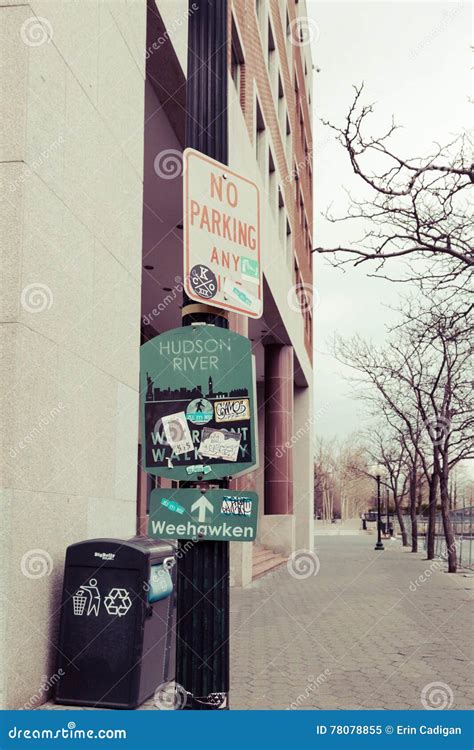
(222, 264)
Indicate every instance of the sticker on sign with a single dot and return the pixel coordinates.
(222, 247)
(219, 444)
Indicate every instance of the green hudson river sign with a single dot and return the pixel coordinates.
(198, 404)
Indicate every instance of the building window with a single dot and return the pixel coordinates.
(282, 224)
(260, 138)
(260, 13)
(297, 181)
(308, 323)
(288, 37)
(281, 103)
(303, 299)
(272, 190)
(272, 60)
(289, 245)
(281, 217)
(238, 66)
(307, 158)
(288, 139)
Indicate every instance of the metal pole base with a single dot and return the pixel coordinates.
(379, 545)
(211, 702)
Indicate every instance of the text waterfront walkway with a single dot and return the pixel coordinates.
(364, 632)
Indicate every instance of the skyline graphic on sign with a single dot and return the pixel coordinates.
(165, 394)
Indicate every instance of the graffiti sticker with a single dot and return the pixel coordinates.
(232, 410)
(219, 444)
(236, 506)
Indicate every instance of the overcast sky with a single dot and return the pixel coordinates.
(415, 61)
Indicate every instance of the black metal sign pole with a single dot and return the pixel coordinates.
(203, 568)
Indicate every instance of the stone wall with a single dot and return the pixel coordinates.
(71, 174)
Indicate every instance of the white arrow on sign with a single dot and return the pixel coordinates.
(202, 505)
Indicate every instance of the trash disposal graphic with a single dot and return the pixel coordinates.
(87, 594)
(79, 602)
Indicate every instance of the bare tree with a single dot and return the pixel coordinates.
(436, 350)
(422, 386)
(390, 451)
(324, 485)
(415, 208)
(340, 482)
(355, 488)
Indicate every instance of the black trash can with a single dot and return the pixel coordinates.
(118, 615)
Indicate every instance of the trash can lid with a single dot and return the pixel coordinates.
(109, 552)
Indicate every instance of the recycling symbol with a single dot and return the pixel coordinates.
(117, 602)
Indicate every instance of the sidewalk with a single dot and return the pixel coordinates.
(351, 527)
(364, 632)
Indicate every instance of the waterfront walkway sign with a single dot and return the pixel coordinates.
(222, 250)
(197, 404)
(218, 514)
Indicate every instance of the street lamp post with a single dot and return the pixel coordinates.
(377, 472)
(387, 530)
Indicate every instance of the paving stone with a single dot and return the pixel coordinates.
(380, 642)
